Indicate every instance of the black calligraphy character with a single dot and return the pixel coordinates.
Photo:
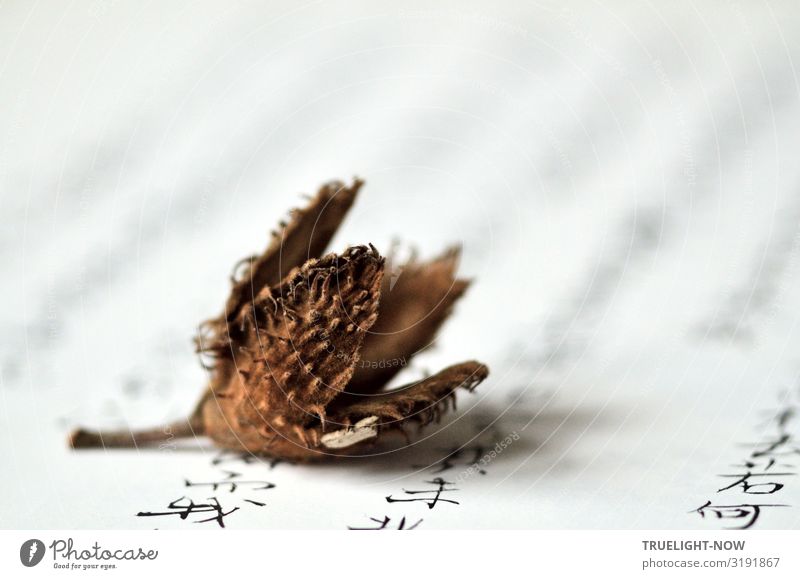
(443, 464)
(772, 448)
(748, 512)
(184, 510)
(455, 456)
(384, 525)
(478, 453)
(431, 501)
(784, 417)
(747, 487)
(232, 484)
(256, 503)
(751, 464)
(780, 417)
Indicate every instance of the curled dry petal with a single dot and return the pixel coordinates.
(415, 300)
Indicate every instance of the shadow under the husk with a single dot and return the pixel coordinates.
(484, 437)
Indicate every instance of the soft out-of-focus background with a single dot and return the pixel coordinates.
(623, 177)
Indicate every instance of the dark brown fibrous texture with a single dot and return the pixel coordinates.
(300, 357)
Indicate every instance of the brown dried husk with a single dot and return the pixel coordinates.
(284, 355)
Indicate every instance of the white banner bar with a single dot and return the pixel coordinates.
(332, 554)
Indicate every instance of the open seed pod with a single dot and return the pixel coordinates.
(301, 355)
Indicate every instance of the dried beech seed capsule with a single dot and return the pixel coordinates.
(307, 343)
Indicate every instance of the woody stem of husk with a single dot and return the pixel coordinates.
(82, 438)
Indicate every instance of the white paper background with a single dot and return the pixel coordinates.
(623, 178)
